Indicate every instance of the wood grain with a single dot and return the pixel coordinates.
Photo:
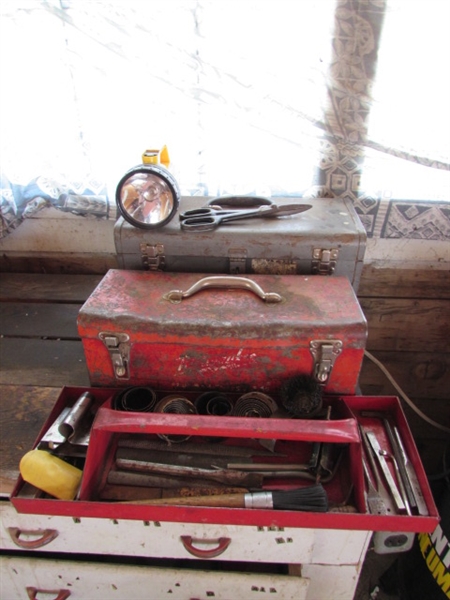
(31, 287)
(42, 362)
(23, 412)
(421, 374)
(379, 282)
(407, 324)
(24, 319)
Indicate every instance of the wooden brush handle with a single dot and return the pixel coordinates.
(219, 500)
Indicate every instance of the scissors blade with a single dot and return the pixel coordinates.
(288, 209)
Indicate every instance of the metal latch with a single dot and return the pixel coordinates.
(238, 260)
(153, 257)
(324, 353)
(324, 261)
(119, 350)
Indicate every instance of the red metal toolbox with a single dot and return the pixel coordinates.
(184, 330)
(328, 239)
(293, 438)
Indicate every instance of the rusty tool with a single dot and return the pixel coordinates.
(417, 490)
(185, 459)
(403, 494)
(227, 476)
(195, 448)
(379, 484)
(396, 496)
(374, 500)
(407, 475)
(128, 478)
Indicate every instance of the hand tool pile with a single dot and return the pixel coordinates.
(251, 473)
(392, 483)
(202, 473)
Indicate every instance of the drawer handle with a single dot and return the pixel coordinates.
(45, 537)
(224, 282)
(33, 592)
(222, 545)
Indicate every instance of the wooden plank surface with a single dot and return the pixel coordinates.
(42, 362)
(377, 282)
(407, 324)
(421, 374)
(23, 411)
(24, 319)
(30, 287)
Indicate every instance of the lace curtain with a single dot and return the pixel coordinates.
(275, 97)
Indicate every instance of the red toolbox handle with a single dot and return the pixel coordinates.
(33, 592)
(224, 282)
(45, 536)
(222, 544)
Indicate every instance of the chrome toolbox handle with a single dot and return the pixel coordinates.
(223, 282)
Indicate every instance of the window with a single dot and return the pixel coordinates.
(273, 97)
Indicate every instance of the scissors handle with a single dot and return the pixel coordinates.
(240, 202)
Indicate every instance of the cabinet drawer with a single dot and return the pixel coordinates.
(179, 540)
(57, 580)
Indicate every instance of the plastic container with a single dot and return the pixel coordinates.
(50, 474)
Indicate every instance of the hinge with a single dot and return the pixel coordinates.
(324, 261)
(119, 351)
(153, 257)
(238, 260)
(324, 353)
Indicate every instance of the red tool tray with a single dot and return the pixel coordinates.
(294, 437)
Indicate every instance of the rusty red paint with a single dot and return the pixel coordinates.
(222, 338)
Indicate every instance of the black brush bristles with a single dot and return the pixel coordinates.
(301, 396)
(312, 498)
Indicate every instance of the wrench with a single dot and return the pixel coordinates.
(386, 472)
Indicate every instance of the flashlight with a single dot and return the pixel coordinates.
(148, 196)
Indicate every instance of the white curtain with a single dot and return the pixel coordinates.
(275, 97)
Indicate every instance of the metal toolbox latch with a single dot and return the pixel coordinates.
(153, 257)
(119, 350)
(324, 261)
(238, 260)
(324, 353)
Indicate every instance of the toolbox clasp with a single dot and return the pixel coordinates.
(324, 353)
(119, 350)
(153, 257)
(324, 261)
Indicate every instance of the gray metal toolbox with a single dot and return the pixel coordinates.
(328, 239)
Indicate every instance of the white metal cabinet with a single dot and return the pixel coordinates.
(323, 561)
(37, 578)
(168, 540)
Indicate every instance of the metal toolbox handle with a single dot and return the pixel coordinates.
(43, 537)
(224, 282)
(221, 543)
(59, 594)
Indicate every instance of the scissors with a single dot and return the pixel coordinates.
(213, 215)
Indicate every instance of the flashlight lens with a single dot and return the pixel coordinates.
(148, 196)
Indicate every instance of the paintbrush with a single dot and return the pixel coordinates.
(312, 498)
